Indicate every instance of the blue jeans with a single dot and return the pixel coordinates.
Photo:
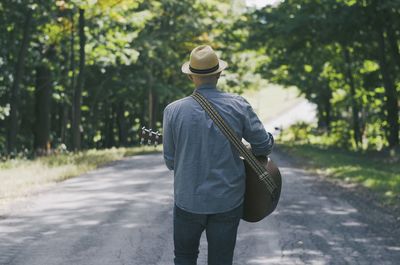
(221, 230)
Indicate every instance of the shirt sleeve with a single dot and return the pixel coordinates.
(254, 133)
(168, 141)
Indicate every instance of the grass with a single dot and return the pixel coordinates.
(20, 177)
(381, 176)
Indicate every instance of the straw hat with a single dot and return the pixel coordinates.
(203, 61)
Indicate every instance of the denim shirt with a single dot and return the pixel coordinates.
(209, 175)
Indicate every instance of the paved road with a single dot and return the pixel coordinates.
(122, 214)
(304, 111)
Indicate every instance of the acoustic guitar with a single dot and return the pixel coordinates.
(258, 201)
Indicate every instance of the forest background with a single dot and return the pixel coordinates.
(89, 73)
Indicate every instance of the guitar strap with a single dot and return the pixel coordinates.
(262, 173)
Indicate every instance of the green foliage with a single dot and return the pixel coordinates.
(134, 51)
(304, 133)
(332, 51)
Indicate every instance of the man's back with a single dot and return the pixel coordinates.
(209, 174)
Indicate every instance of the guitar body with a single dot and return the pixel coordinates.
(258, 202)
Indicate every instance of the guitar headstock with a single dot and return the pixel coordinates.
(149, 137)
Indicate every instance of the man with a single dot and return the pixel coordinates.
(209, 176)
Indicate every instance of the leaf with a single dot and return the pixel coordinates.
(369, 66)
(308, 68)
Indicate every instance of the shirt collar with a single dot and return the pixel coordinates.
(206, 86)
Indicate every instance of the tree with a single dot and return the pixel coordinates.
(15, 89)
(76, 120)
(333, 51)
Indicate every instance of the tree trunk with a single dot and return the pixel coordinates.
(42, 110)
(72, 69)
(390, 92)
(122, 128)
(151, 108)
(391, 34)
(14, 98)
(112, 124)
(109, 125)
(355, 108)
(155, 109)
(63, 122)
(327, 107)
(68, 65)
(324, 106)
(105, 130)
(76, 120)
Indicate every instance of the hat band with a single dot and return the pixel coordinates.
(204, 71)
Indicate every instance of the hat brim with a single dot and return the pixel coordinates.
(222, 66)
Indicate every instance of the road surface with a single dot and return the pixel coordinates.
(303, 111)
(122, 214)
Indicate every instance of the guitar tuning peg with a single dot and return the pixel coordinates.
(142, 135)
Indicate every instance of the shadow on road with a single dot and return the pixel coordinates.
(85, 215)
(122, 214)
(317, 222)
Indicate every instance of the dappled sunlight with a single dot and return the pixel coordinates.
(313, 224)
(394, 248)
(267, 260)
(353, 224)
(80, 78)
(354, 169)
(338, 210)
(128, 196)
(115, 211)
